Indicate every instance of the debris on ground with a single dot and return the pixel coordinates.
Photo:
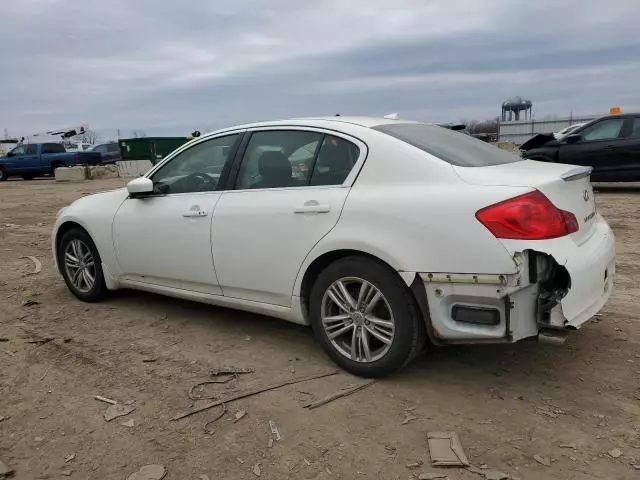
(70, 458)
(417, 464)
(45, 373)
(191, 394)
(446, 450)
(249, 393)
(204, 477)
(495, 475)
(4, 339)
(36, 263)
(256, 470)
(274, 430)
(206, 428)
(549, 411)
(3, 418)
(66, 473)
(117, 410)
(40, 341)
(546, 461)
(305, 460)
(343, 392)
(239, 415)
(568, 445)
(30, 303)
(615, 453)
(408, 418)
(5, 471)
(230, 371)
(149, 472)
(105, 399)
(432, 476)
(129, 423)
(149, 360)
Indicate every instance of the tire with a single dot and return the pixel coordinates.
(82, 288)
(3, 175)
(396, 305)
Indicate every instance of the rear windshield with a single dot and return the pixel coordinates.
(453, 147)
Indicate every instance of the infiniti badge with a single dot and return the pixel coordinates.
(585, 195)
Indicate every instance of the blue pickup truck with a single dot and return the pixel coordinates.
(35, 159)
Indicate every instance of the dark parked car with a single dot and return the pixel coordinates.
(611, 145)
(110, 152)
(34, 159)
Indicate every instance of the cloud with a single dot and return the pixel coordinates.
(166, 67)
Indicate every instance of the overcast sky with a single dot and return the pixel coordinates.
(161, 67)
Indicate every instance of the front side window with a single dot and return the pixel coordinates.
(604, 130)
(278, 158)
(196, 169)
(18, 151)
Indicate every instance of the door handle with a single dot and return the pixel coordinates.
(313, 206)
(195, 212)
(609, 147)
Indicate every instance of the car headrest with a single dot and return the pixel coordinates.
(274, 165)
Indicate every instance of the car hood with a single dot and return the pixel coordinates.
(537, 141)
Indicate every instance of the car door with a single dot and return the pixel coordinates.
(628, 153)
(29, 162)
(597, 147)
(289, 189)
(165, 238)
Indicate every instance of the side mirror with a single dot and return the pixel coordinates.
(573, 138)
(140, 187)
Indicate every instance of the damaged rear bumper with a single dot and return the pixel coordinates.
(559, 286)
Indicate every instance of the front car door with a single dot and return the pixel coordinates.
(289, 189)
(165, 239)
(597, 148)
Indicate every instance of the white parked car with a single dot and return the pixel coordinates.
(568, 130)
(381, 234)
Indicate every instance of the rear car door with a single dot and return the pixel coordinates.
(288, 192)
(598, 147)
(628, 153)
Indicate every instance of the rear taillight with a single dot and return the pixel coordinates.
(531, 216)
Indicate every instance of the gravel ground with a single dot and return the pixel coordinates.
(570, 405)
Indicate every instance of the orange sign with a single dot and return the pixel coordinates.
(615, 111)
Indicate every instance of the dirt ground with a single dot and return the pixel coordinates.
(571, 405)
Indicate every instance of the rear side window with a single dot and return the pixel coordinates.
(635, 128)
(448, 145)
(335, 160)
(52, 148)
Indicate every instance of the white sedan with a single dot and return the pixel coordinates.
(381, 234)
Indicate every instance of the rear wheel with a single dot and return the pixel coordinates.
(3, 174)
(365, 317)
(81, 266)
(56, 165)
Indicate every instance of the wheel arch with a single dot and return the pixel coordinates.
(322, 261)
(61, 231)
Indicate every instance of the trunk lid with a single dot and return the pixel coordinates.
(566, 186)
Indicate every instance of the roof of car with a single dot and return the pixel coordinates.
(368, 122)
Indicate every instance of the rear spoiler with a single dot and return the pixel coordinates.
(576, 173)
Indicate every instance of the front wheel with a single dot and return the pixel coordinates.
(3, 174)
(365, 317)
(81, 266)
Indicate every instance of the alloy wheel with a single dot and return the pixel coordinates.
(357, 319)
(80, 265)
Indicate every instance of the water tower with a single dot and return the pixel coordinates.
(511, 109)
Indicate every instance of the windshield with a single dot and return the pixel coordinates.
(453, 147)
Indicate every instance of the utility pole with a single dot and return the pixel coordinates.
(6, 134)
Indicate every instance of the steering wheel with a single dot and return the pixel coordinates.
(200, 181)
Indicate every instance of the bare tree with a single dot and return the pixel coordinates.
(138, 134)
(90, 137)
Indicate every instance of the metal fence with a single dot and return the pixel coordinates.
(521, 131)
